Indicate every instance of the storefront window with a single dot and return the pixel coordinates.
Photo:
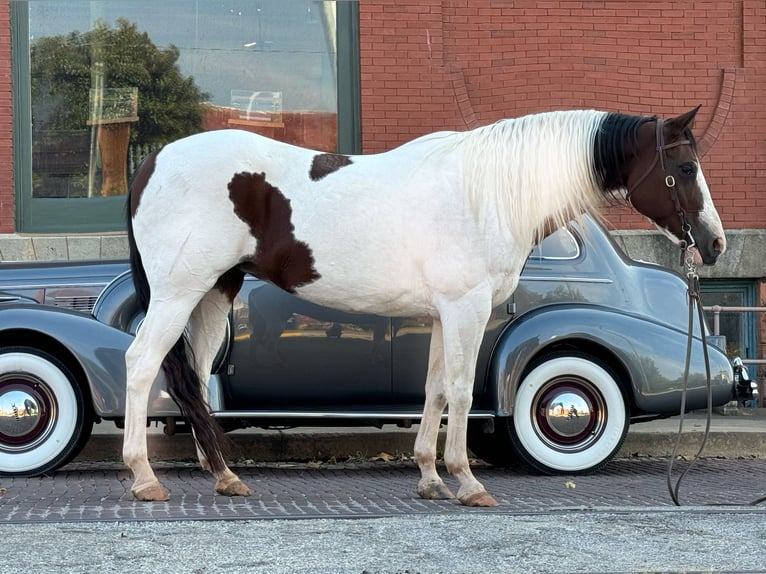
(106, 82)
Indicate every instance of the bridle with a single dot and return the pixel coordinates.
(670, 182)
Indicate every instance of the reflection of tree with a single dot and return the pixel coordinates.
(654, 378)
(62, 75)
(564, 293)
(540, 293)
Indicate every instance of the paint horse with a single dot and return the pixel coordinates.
(440, 226)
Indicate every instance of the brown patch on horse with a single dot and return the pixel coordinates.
(279, 257)
(326, 163)
(230, 283)
(140, 179)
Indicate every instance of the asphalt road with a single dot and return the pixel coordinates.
(624, 540)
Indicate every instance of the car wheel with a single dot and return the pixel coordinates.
(570, 416)
(44, 420)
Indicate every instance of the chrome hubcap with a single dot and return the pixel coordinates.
(26, 412)
(569, 414)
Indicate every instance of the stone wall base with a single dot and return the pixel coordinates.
(745, 257)
(15, 247)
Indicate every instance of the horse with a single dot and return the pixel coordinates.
(439, 226)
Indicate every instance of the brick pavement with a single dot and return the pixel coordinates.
(100, 491)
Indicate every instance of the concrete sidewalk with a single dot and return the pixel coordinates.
(741, 435)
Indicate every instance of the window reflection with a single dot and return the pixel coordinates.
(113, 80)
(558, 245)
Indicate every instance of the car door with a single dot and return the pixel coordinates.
(291, 354)
(411, 339)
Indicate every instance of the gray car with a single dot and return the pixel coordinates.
(591, 342)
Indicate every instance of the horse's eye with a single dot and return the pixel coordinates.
(689, 169)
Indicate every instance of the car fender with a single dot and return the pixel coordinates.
(117, 304)
(97, 351)
(118, 307)
(645, 354)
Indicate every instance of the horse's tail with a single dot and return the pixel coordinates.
(182, 381)
(140, 282)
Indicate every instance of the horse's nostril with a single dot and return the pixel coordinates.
(719, 245)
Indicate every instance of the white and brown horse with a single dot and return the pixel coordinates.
(440, 226)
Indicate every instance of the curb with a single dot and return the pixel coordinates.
(282, 446)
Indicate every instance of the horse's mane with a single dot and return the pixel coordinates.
(533, 174)
(615, 143)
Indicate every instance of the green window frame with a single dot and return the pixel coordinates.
(107, 214)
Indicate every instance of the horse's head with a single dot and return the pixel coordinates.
(665, 183)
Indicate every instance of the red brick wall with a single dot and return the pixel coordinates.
(6, 122)
(428, 65)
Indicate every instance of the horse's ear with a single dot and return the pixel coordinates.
(676, 126)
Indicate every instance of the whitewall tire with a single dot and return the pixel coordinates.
(570, 416)
(44, 420)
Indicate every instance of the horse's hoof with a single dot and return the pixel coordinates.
(434, 490)
(235, 488)
(481, 498)
(153, 493)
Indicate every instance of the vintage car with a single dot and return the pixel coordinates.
(591, 342)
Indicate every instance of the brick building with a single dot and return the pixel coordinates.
(428, 65)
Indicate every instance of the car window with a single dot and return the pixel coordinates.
(558, 245)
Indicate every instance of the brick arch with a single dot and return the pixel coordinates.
(462, 99)
(721, 112)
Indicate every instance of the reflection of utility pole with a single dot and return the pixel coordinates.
(96, 82)
(259, 11)
(196, 37)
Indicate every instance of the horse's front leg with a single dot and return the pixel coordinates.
(464, 322)
(431, 486)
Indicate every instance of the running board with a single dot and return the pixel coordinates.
(336, 415)
(218, 410)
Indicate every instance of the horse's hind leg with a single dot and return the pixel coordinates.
(463, 324)
(207, 328)
(431, 486)
(164, 324)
